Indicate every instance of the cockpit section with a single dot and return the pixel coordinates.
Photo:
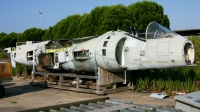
(155, 31)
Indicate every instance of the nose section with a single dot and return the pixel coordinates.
(182, 52)
(188, 53)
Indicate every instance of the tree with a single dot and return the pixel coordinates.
(8, 40)
(107, 18)
(97, 17)
(73, 26)
(31, 34)
(115, 17)
(86, 27)
(2, 34)
(142, 13)
(48, 34)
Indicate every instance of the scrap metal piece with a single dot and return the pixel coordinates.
(102, 105)
(62, 109)
(125, 102)
(137, 109)
(148, 108)
(52, 110)
(80, 108)
(189, 102)
(89, 106)
(158, 95)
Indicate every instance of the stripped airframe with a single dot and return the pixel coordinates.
(113, 51)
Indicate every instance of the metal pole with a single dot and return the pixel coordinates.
(25, 71)
(98, 81)
(40, 19)
(33, 70)
(16, 70)
(124, 77)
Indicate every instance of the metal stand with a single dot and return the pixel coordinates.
(33, 71)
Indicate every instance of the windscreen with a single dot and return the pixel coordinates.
(155, 30)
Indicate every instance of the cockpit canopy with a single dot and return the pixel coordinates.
(155, 30)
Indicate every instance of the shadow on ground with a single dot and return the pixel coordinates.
(13, 90)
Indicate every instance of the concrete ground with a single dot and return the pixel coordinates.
(22, 96)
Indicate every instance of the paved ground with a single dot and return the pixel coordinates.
(22, 96)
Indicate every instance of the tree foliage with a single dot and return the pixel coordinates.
(107, 18)
(142, 13)
(31, 34)
(8, 40)
(100, 20)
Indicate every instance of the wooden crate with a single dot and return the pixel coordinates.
(5, 69)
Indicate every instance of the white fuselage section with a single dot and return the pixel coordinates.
(113, 51)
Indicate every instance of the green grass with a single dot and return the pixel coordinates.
(168, 80)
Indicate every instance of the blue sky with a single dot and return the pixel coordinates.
(19, 15)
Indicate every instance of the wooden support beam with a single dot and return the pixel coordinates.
(106, 77)
(77, 83)
(60, 82)
(45, 81)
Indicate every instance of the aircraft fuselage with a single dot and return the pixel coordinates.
(114, 51)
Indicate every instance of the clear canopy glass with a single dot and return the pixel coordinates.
(155, 30)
